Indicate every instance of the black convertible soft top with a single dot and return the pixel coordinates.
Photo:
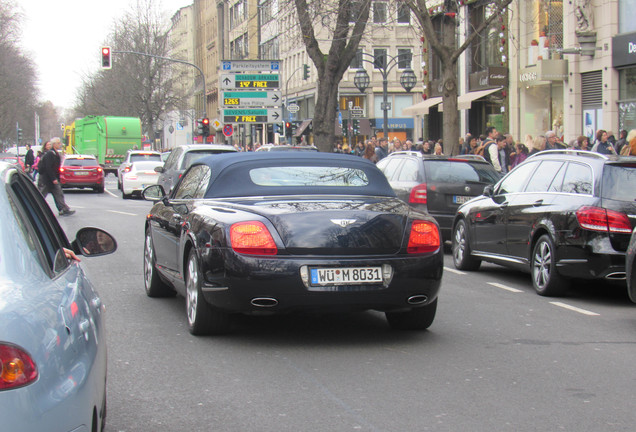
(230, 174)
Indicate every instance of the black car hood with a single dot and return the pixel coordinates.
(334, 226)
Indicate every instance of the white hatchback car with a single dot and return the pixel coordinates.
(139, 176)
(136, 156)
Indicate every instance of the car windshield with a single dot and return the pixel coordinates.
(83, 162)
(145, 157)
(459, 172)
(619, 181)
(308, 176)
(192, 156)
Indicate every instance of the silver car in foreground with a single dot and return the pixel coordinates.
(52, 339)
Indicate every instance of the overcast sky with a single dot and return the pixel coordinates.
(64, 38)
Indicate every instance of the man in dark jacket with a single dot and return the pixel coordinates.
(49, 177)
(29, 160)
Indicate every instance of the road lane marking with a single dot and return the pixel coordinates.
(452, 270)
(504, 287)
(110, 193)
(574, 308)
(124, 213)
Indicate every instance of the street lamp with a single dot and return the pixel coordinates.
(408, 80)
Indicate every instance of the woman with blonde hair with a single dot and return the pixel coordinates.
(538, 144)
(631, 143)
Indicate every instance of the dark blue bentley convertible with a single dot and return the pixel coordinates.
(296, 231)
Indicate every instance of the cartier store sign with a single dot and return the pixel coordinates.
(488, 78)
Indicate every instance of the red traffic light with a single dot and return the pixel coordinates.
(106, 58)
(288, 125)
(205, 121)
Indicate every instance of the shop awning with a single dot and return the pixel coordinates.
(464, 101)
(422, 108)
(300, 129)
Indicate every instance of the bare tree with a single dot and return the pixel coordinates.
(18, 91)
(444, 46)
(332, 65)
(138, 85)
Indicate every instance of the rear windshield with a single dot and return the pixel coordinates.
(145, 165)
(145, 157)
(192, 156)
(80, 162)
(459, 172)
(618, 182)
(308, 176)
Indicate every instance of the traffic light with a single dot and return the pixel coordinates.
(19, 134)
(205, 122)
(305, 71)
(288, 129)
(106, 58)
(200, 127)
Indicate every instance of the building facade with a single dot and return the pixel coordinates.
(567, 66)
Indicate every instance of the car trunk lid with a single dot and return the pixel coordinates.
(337, 226)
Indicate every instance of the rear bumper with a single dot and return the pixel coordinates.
(593, 266)
(82, 183)
(235, 285)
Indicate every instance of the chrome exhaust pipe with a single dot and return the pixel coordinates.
(264, 302)
(417, 299)
(617, 276)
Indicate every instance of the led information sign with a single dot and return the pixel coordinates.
(263, 115)
(250, 81)
(251, 98)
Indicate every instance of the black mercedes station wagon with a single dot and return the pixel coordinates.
(562, 214)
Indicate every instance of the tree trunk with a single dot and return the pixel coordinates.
(324, 121)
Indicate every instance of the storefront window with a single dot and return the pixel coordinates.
(627, 98)
(626, 22)
(543, 29)
(543, 109)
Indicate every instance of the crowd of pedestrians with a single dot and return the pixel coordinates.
(500, 149)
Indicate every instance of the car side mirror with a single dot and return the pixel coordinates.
(94, 242)
(153, 193)
(159, 169)
(489, 191)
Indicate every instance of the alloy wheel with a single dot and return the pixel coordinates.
(192, 294)
(541, 265)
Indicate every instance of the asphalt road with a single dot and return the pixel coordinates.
(498, 357)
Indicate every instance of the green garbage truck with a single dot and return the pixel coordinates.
(106, 137)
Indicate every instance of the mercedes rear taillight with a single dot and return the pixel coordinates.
(418, 194)
(252, 238)
(424, 237)
(600, 219)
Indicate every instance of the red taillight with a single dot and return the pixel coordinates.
(99, 169)
(424, 237)
(127, 169)
(418, 194)
(600, 219)
(17, 369)
(62, 170)
(252, 238)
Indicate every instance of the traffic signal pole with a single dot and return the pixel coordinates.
(285, 104)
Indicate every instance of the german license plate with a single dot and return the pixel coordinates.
(345, 275)
(461, 199)
(81, 173)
